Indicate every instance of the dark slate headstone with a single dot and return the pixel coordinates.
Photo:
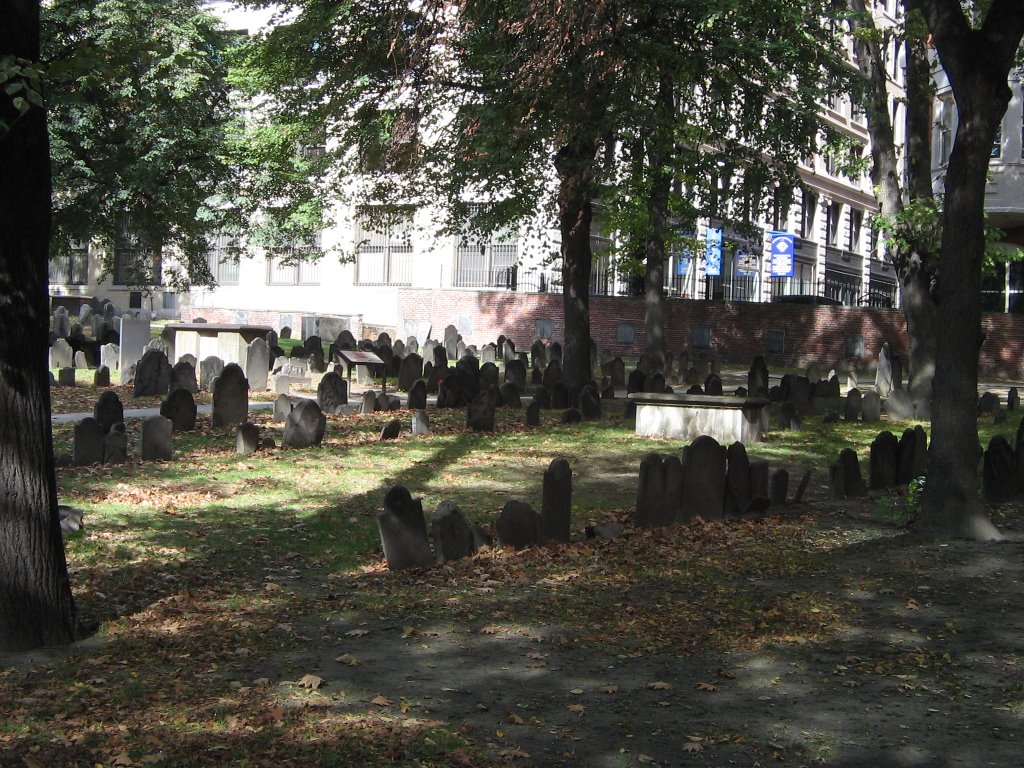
(417, 398)
(508, 351)
(883, 461)
(852, 406)
(636, 382)
(905, 457)
(559, 395)
(618, 373)
(532, 414)
(451, 532)
(247, 438)
(899, 406)
(871, 407)
(518, 525)
(704, 465)
(760, 472)
(305, 425)
(757, 378)
(737, 481)
(155, 439)
(853, 480)
(712, 384)
(836, 482)
(66, 377)
(920, 463)
(589, 402)
(1012, 399)
(391, 430)
(152, 374)
(88, 442)
(552, 374)
(515, 372)
(896, 366)
(571, 416)
(788, 416)
(332, 392)
(108, 410)
(988, 402)
(115, 445)
(538, 354)
(183, 376)
(799, 394)
(403, 531)
(999, 472)
(230, 396)
(659, 491)
(779, 491)
(510, 397)
(554, 350)
(180, 409)
(420, 422)
(489, 376)
(101, 378)
(556, 503)
(480, 414)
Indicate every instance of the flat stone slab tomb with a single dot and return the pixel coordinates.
(687, 417)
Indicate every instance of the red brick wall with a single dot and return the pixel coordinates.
(812, 334)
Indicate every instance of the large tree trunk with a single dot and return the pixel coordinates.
(36, 607)
(977, 62)
(575, 166)
(659, 148)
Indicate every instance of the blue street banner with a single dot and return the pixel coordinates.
(783, 254)
(713, 252)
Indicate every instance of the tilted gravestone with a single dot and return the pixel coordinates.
(305, 426)
(556, 503)
(332, 392)
(403, 531)
(155, 439)
(282, 407)
(704, 465)
(183, 376)
(230, 396)
(883, 461)
(152, 375)
(257, 365)
(417, 398)
(391, 430)
(88, 442)
(518, 525)
(451, 532)
(420, 422)
(108, 410)
(180, 408)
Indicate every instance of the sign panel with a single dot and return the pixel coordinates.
(360, 358)
(783, 254)
(713, 252)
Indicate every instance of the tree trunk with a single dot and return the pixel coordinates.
(659, 148)
(36, 607)
(977, 62)
(575, 166)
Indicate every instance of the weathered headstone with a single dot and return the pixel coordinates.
(80, 361)
(1012, 399)
(183, 376)
(257, 365)
(180, 409)
(247, 438)
(305, 425)
(988, 402)
(552, 374)
(230, 396)
(899, 406)
(518, 525)
(101, 378)
(883, 374)
(757, 378)
(133, 337)
(853, 480)
(532, 414)
(88, 442)
(788, 417)
(589, 403)
(61, 355)
(760, 472)
(852, 406)
(556, 503)
(391, 430)
(510, 396)
(737, 481)
(403, 531)
(209, 369)
(704, 467)
(109, 354)
(410, 372)
(712, 384)
(282, 407)
(66, 377)
(779, 491)
(417, 398)
(871, 407)
(515, 372)
(451, 532)
(999, 472)
(883, 461)
(155, 438)
(332, 393)
(480, 414)
(152, 375)
(420, 422)
(115, 445)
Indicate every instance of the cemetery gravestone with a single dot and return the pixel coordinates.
(871, 407)
(88, 442)
(180, 409)
(518, 525)
(403, 531)
(556, 504)
(257, 364)
(108, 410)
(883, 461)
(451, 532)
(304, 426)
(230, 396)
(704, 480)
(155, 439)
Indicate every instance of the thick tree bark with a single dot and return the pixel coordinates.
(659, 148)
(36, 607)
(977, 62)
(574, 164)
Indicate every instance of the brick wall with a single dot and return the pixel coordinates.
(737, 330)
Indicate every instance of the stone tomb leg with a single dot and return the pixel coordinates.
(687, 417)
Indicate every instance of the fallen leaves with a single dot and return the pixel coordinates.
(660, 686)
(381, 701)
(706, 687)
(348, 658)
(312, 682)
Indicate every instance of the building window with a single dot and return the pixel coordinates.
(945, 130)
(997, 142)
(856, 225)
(72, 266)
(136, 261)
(485, 260)
(296, 263)
(222, 258)
(808, 214)
(834, 224)
(383, 246)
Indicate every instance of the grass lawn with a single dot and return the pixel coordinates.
(245, 616)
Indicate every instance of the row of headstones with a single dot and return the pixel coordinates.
(892, 462)
(1002, 471)
(103, 310)
(711, 482)
(406, 544)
